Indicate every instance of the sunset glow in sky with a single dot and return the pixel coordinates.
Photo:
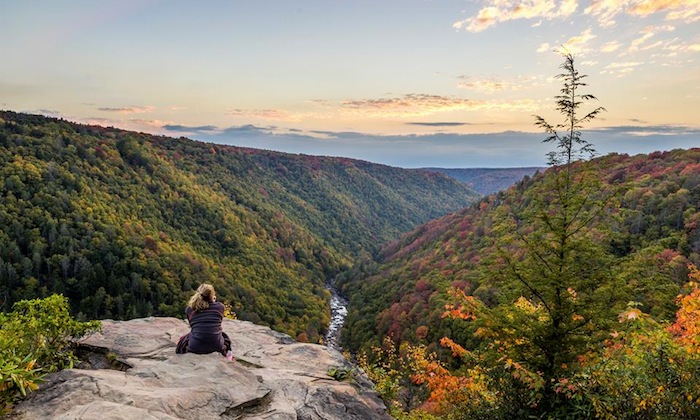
(411, 83)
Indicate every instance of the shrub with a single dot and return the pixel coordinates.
(36, 338)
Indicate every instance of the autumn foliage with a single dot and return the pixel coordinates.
(686, 329)
(644, 369)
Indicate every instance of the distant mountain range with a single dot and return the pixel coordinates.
(488, 180)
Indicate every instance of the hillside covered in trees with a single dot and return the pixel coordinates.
(473, 285)
(654, 235)
(126, 224)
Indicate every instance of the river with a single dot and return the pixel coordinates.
(339, 310)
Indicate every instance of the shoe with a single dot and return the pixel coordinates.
(229, 356)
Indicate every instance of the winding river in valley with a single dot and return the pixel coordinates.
(339, 310)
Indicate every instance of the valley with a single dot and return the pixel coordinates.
(126, 224)
(410, 266)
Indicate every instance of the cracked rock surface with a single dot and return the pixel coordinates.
(273, 377)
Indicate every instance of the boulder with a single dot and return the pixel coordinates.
(133, 373)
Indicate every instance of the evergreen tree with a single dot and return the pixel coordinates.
(557, 270)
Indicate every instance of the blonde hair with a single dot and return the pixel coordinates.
(202, 297)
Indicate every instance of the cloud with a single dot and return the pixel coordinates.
(575, 45)
(266, 114)
(497, 11)
(544, 47)
(640, 127)
(321, 102)
(648, 33)
(411, 104)
(606, 11)
(579, 44)
(401, 106)
(438, 124)
(426, 104)
(493, 85)
(245, 129)
(176, 128)
(684, 10)
(620, 69)
(611, 46)
(129, 109)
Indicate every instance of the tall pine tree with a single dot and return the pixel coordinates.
(559, 291)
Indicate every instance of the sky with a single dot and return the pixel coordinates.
(408, 83)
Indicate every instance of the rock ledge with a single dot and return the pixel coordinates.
(273, 377)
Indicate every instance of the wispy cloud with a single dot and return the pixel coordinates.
(245, 129)
(687, 11)
(438, 124)
(494, 12)
(651, 130)
(646, 34)
(606, 11)
(129, 109)
(492, 85)
(425, 104)
(579, 44)
(411, 104)
(403, 106)
(497, 11)
(177, 128)
(576, 44)
(620, 69)
(611, 46)
(212, 130)
(266, 114)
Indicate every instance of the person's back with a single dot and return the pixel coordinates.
(206, 335)
(205, 316)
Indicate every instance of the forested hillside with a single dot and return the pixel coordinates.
(655, 234)
(488, 180)
(125, 224)
(481, 284)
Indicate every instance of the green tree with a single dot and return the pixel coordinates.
(557, 265)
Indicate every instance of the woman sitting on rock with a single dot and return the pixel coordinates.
(205, 315)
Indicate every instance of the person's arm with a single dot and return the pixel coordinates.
(219, 308)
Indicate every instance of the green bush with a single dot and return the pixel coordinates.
(36, 338)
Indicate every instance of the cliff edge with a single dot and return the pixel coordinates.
(133, 372)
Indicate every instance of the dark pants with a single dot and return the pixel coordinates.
(182, 343)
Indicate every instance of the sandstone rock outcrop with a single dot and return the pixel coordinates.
(272, 377)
